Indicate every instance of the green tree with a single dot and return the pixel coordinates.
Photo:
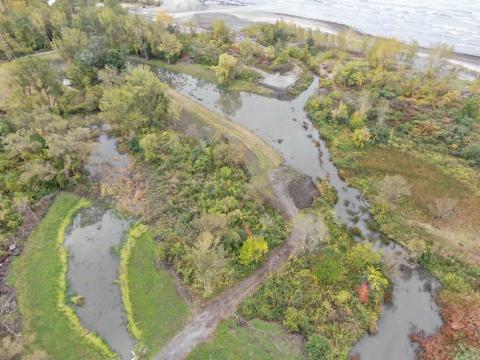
(220, 33)
(34, 83)
(384, 53)
(318, 348)
(361, 137)
(248, 50)
(225, 70)
(71, 43)
(358, 119)
(141, 102)
(210, 266)
(438, 58)
(169, 47)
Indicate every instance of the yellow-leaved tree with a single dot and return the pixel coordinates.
(253, 250)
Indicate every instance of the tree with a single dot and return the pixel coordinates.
(384, 53)
(225, 70)
(34, 83)
(248, 50)
(164, 18)
(438, 58)
(410, 52)
(253, 250)
(318, 348)
(219, 34)
(361, 137)
(72, 42)
(353, 74)
(340, 113)
(295, 320)
(365, 101)
(169, 47)
(382, 108)
(209, 261)
(141, 102)
(377, 284)
(358, 119)
(46, 148)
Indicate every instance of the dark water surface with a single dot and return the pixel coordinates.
(93, 241)
(285, 126)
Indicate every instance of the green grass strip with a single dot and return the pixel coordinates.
(155, 310)
(39, 277)
(257, 339)
(135, 232)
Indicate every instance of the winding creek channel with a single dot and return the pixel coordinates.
(285, 126)
(96, 232)
(92, 242)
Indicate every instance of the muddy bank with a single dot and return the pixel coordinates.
(303, 191)
(278, 81)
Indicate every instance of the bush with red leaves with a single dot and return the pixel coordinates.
(461, 317)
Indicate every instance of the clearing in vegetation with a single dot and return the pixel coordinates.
(256, 339)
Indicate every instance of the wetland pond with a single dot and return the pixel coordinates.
(285, 126)
(93, 241)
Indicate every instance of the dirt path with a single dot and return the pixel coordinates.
(202, 325)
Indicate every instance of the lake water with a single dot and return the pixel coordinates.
(456, 23)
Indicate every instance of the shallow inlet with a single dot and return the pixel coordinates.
(93, 265)
(285, 126)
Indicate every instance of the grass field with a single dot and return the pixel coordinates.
(39, 279)
(411, 220)
(156, 308)
(257, 340)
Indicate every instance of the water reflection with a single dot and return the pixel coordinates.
(92, 273)
(229, 102)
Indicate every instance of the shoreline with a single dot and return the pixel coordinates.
(236, 16)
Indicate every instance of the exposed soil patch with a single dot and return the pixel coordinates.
(303, 191)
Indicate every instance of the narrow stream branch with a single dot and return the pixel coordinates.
(93, 241)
